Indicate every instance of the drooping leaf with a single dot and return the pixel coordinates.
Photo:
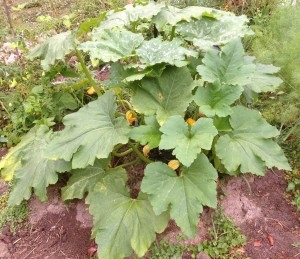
(249, 147)
(130, 13)
(156, 51)
(208, 32)
(171, 15)
(53, 49)
(165, 96)
(147, 134)
(228, 66)
(85, 26)
(263, 79)
(112, 45)
(84, 180)
(90, 133)
(184, 195)
(117, 76)
(187, 141)
(122, 224)
(33, 169)
(216, 98)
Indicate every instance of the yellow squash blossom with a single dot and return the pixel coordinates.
(190, 121)
(91, 90)
(130, 117)
(174, 164)
(146, 150)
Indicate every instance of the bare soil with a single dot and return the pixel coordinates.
(55, 230)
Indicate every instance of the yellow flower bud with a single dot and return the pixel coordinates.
(146, 150)
(174, 164)
(190, 121)
(130, 117)
(91, 90)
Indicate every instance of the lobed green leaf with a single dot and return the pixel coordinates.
(183, 195)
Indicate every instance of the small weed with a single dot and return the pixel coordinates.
(13, 216)
(225, 239)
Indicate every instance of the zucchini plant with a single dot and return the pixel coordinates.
(178, 79)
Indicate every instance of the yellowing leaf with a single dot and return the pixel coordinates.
(173, 164)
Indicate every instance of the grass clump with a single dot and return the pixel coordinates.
(12, 216)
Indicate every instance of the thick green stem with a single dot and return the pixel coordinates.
(127, 164)
(125, 153)
(87, 73)
(172, 33)
(139, 154)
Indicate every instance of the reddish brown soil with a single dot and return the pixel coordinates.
(264, 215)
(270, 223)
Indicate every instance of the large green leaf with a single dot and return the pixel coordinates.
(208, 32)
(249, 147)
(90, 133)
(84, 180)
(216, 99)
(130, 13)
(156, 51)
(165, 96)
(263, 79)
(122, 224)
(184, 195)
(112, 45)
(147, 134)
(54, 48)
(34, 170)
(171, 15)
(228, 66)
(187, 141)
(117, 75)
(12, 161)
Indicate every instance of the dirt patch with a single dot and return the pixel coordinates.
(53, 231)
(264, 215)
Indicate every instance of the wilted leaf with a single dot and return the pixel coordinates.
(53, 49)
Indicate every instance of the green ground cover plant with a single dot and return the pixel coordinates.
(224, 241)
(178, 82)
(277, 41)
